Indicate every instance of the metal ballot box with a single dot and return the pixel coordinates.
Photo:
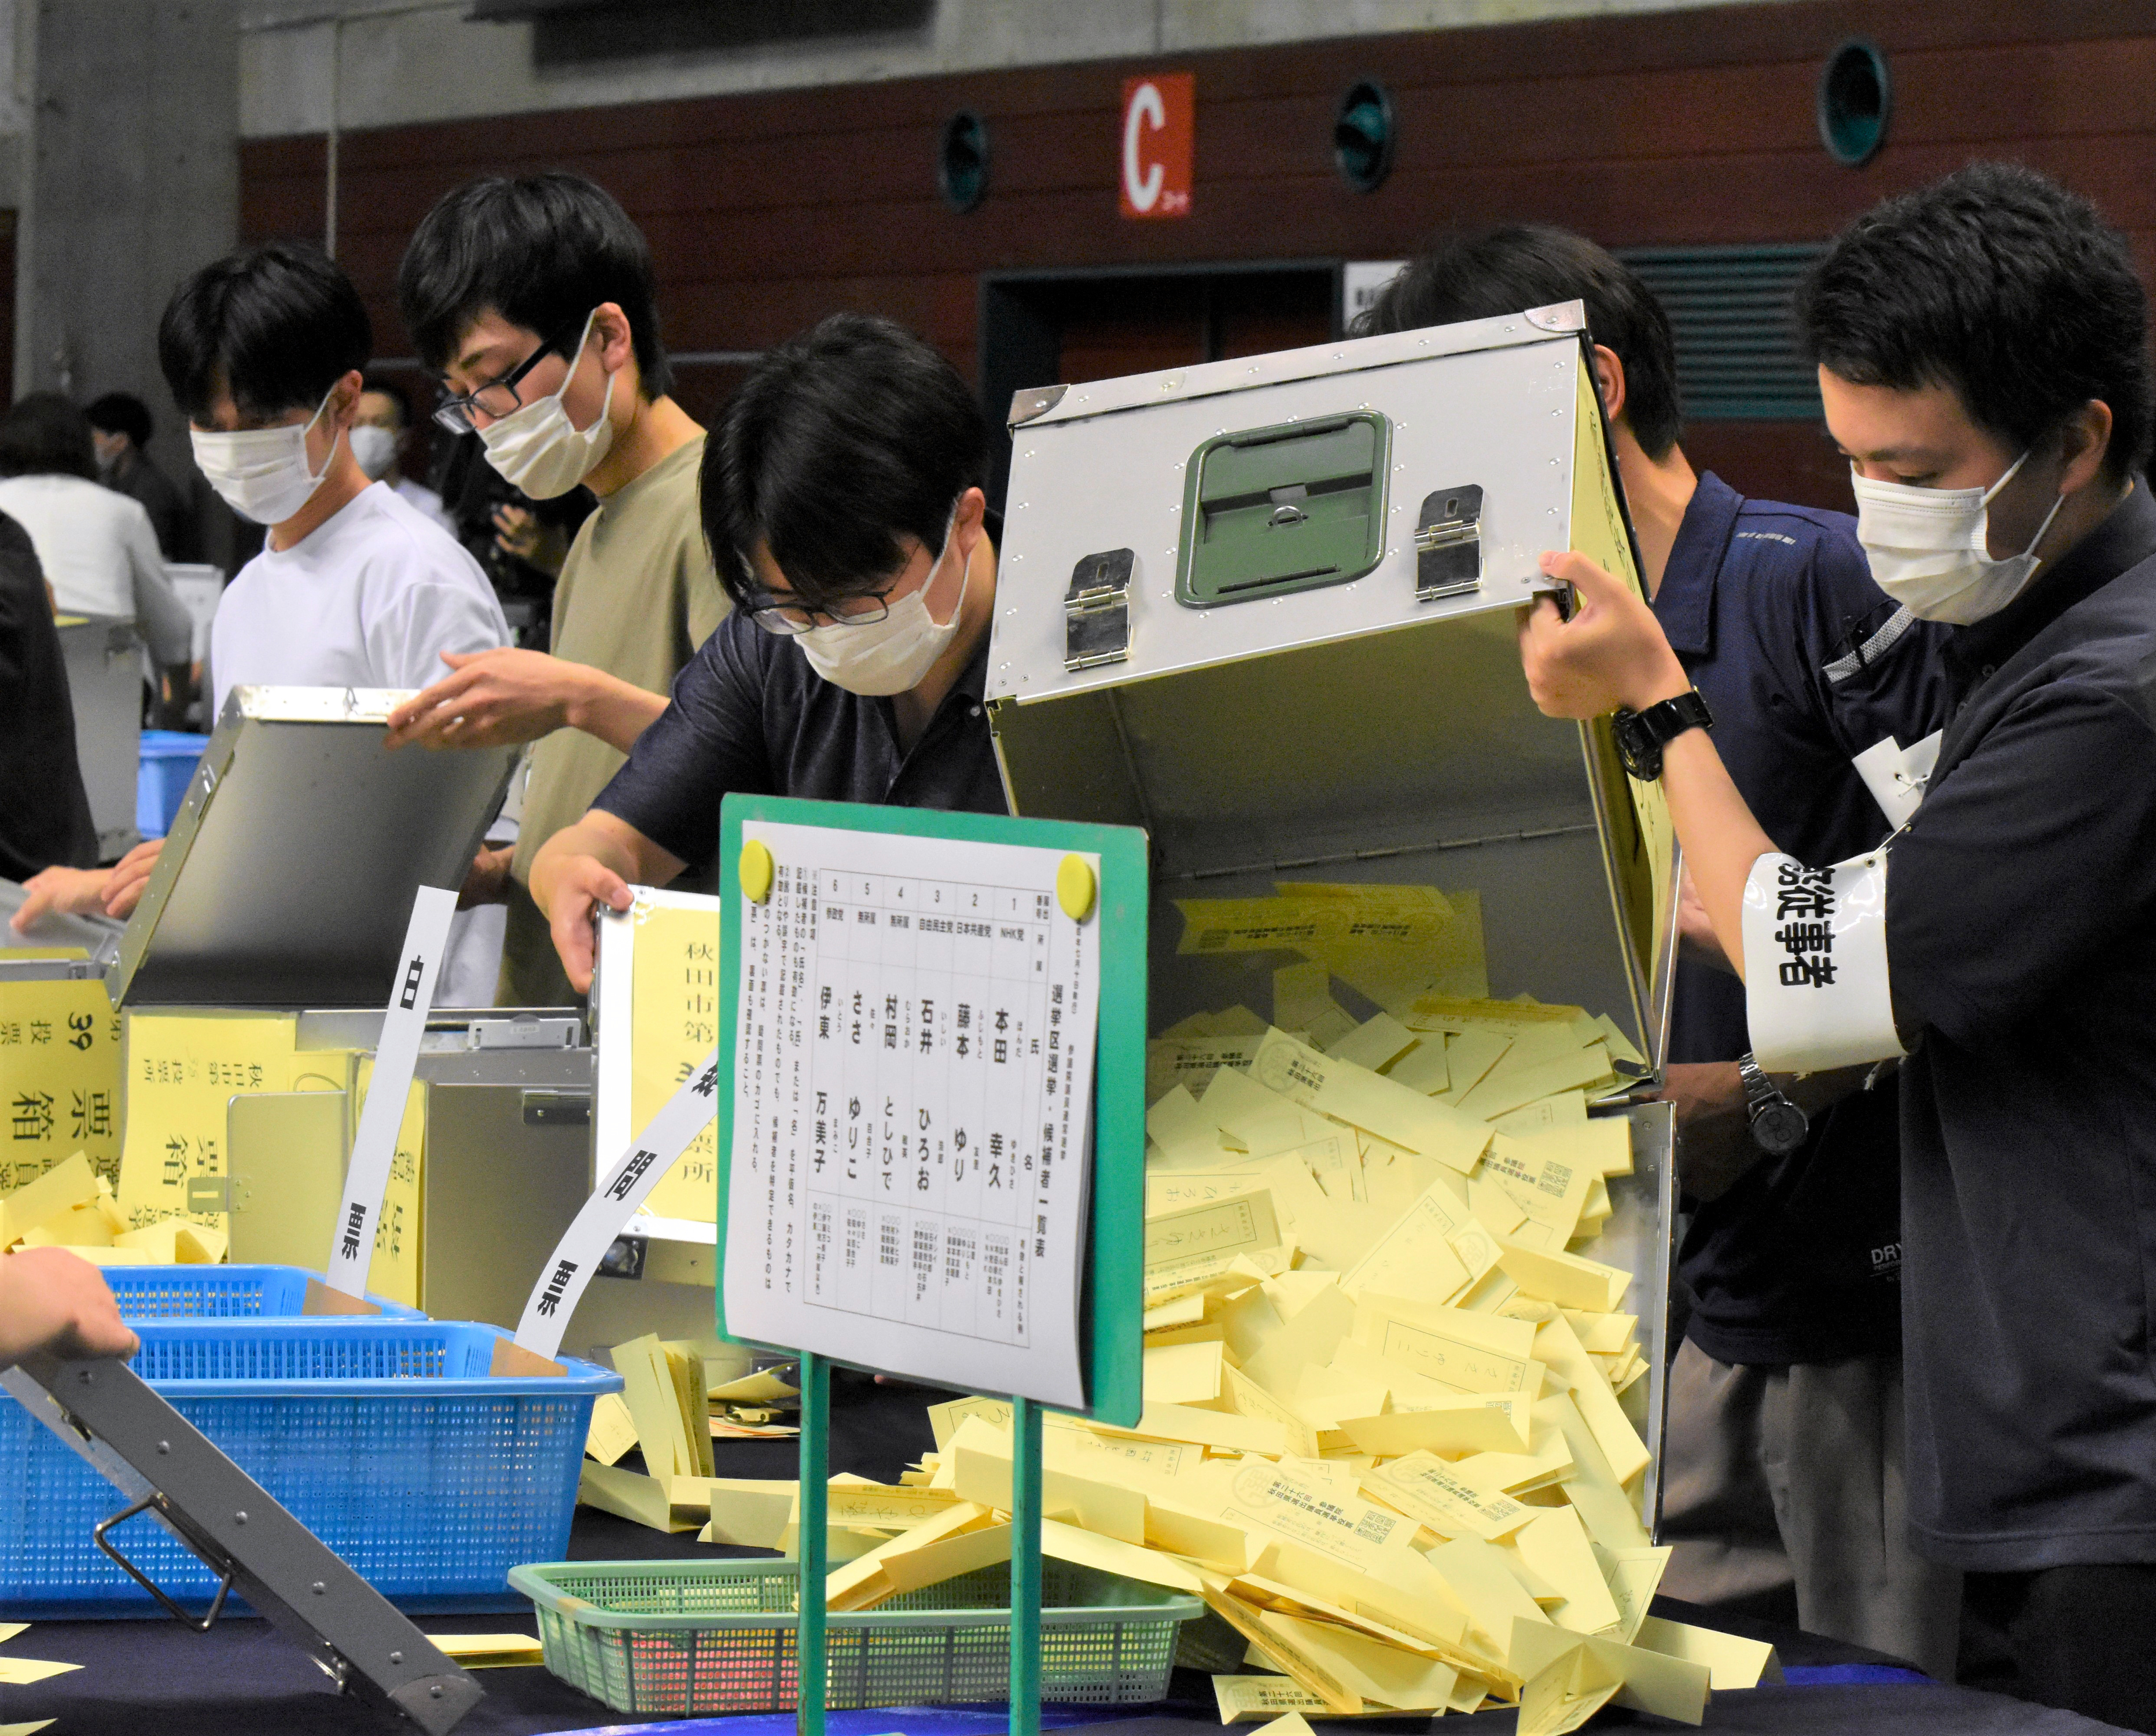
(1265, 608)
(105, 684)
(285, 889)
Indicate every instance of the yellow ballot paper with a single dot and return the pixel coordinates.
(60, 1078)
(1195, 1242)
(490, 1651)
(22, 1672)
(612, 1430)
(1369, 1101)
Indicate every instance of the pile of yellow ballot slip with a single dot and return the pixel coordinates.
(1386, 1436)
(73, 1207)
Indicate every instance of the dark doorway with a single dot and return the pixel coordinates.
(1095, 323)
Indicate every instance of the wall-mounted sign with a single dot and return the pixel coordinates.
(1159, 128)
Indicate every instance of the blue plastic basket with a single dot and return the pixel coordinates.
(168, 758)
(225, 1292)
(389, 1439)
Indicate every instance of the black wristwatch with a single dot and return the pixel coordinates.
(1778, 1126)
(1641, 736)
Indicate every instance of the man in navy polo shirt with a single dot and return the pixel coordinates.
(1782, 1465)
(1983, 345)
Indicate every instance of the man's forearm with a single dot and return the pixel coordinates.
(614, 711)
(1720, 839)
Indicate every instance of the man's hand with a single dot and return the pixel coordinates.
(130, 878)
(487, 882)
(1714, 1126)
(56, 1300)
(1611, 653)
(593, 863)
(494, 698)
(577, 886)
(520, 533)
(61, 891)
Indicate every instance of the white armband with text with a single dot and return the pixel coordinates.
(1815, 989)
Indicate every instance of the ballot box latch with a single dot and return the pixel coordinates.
(1097, 610)
(1449, 543)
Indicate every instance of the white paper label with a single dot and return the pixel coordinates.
(1896, 775)
(621, 1190)
(403, 1022)
(910, 1170)
(1815, 988)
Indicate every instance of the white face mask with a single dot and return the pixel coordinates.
(1930, 548)
(262, 472)
(375, 449)
(537, 448)
(891, 655)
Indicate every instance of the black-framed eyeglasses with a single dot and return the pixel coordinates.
(790, 620)
(500, 397)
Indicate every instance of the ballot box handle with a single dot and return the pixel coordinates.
(172, 1607)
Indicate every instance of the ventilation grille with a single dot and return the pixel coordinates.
(1729, 310)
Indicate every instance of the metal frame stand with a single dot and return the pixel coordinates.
(167, 1467)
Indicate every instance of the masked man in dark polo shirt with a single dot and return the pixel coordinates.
(841, 494)
(1982, 351)
(1782, 1468)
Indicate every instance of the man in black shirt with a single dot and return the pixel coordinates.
(44, 814)
(1984, 359)
(1782, 1468)
(841, 494)
(120, 427)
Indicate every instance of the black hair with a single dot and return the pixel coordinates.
(395, 390)
(1511, 268)
(542, 251)
(121, 412)
(275, 325)
(43, 434)
(840, 443)
(1997, 282)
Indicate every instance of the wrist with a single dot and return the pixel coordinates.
(1666, 679)
(582, 687)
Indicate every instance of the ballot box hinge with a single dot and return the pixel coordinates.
(1282, 865)
(1448, 542)
(1097, 610)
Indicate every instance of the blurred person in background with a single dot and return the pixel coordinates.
(44, 812)
(97, 548)
(382, 441)
(119, 429)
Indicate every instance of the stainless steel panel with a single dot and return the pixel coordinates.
(288, 879)
(499, 1191)
(105, 684)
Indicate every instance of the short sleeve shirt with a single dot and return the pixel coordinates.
(1804, 663)
(2022, 951)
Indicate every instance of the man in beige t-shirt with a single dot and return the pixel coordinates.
(533, 300)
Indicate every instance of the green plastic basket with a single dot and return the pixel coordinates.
(677, 1638)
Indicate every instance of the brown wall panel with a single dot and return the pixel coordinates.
(768, 209)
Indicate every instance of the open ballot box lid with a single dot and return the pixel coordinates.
(287, 878)
(1265, 608)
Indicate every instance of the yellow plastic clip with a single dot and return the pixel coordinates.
(1074, 888)
(756, 871)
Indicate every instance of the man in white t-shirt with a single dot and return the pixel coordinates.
(354, 587)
